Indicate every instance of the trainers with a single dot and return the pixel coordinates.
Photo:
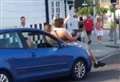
(99, 64)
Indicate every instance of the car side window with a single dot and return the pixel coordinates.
(39, 40)
(50, 42)
(30, 39)
(10, 40)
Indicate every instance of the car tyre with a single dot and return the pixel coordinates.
(5, 77)
(79, 71)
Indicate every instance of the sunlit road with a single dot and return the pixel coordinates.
(109, 73)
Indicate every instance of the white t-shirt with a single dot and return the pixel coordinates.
(72, 24)
(26, 26)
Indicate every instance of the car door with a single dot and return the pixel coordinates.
(50, 57)
(18, 57)
(26, 63)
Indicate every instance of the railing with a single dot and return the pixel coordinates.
(37, 26)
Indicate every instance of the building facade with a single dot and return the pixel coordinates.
(59, 8)
(36, 11)
(105, 3)
(118, 4)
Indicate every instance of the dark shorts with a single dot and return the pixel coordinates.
(89, 33)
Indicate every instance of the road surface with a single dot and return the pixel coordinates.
(109, 73)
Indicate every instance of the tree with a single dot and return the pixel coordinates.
(101, 10)
(89, 11)
(78, 3)
(85, 11)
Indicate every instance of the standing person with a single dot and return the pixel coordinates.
(61, 33)
(88, 24)
(83, 35)
(99, 29)
(71, 23)
(81, 23)
(60, 30)
(111, 25)
(23, 22)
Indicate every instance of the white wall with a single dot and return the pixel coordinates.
(34, 10)
(117, 13)
(12, 10)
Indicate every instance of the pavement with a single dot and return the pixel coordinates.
(106, 48)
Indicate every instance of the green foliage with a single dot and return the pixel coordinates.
(89, 10)
(113, 25)
(112, 9)
(101, 11)
(84, 11)
(78, 3)
(89, 1)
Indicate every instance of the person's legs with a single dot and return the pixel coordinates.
(95, 62)
(93, 58)
(99, 38)
(89, 37)
(101, 35)
(111, 34)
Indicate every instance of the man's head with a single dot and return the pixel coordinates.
(81, 18)
(23, 21)
(47, 27)
(59, 22)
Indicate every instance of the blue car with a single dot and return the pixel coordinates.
(27, 54)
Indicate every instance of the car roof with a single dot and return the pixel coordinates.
(18, 30)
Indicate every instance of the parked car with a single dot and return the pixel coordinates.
(27, 54)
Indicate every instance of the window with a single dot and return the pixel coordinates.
(50, 41)
(52, 9)
(30, 39)
(37, 40)
(10, 40)
(55, 9)
(58, 9)
(57, 4)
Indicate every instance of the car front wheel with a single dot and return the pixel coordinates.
(4, 77)
(79, 70)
